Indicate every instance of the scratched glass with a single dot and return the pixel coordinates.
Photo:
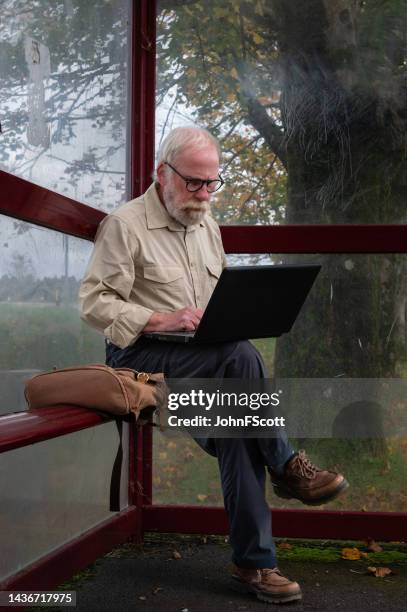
(63, 96)
(54, 491)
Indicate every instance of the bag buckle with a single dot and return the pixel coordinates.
(143, 377)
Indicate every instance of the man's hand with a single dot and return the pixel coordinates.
(186, 319)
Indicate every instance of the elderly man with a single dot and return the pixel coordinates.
(154, 266)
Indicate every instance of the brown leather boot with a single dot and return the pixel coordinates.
(268, 584)
(304, 481)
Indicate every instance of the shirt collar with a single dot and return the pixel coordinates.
(157, 215)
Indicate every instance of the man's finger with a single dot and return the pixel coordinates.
(189, 326)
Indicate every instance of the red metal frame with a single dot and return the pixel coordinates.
(29, 202)
(142, 126)
(142, 95)
(22, 428)
(315, 239)
(24, 200)
(335, 525)
(135, 499)
(58, 566)
(147, 465)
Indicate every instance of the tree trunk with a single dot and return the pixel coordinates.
(346, 162)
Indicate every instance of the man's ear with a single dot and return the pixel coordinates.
(161, 173)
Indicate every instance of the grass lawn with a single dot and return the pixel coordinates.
(184, 474)
(43, 336)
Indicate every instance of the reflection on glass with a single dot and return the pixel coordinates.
(352, 325)
(54, 491)
(185, 474)
(40, 325)
(308, 102)
(63, 70)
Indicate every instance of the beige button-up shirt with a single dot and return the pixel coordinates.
(144, 261)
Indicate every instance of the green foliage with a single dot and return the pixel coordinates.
(322, 77)
(184, 474)
(266, 347)
(40, 337)
(205, 54)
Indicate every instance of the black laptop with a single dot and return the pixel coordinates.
(250, 302)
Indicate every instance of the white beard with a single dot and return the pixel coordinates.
(191, 212)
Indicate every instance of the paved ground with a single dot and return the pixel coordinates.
(149, 578)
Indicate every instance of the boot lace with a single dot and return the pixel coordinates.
(302, 465)
(268, 571)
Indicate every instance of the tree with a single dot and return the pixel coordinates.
(314, 92)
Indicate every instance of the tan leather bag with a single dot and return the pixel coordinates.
(97, 387)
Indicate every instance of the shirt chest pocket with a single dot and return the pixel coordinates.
(165, 283)
(214, 270)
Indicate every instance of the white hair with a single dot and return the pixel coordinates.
(182, 137)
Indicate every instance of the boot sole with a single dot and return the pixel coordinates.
(286, 494)
(243, 587)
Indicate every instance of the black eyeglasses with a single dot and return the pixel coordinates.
(195, 184)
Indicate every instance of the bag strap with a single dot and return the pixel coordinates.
(117, 470)
(115, 479)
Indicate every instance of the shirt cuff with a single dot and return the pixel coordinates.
(128, 325)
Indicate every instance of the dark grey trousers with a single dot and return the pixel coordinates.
(241, 462)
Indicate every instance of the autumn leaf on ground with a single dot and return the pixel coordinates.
(380, 572)
(351, 554)
(176, 554)
(157, 590)
(201, 497)
(285, 546)
(372, 545)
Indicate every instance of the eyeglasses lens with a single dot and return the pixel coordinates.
(197, 185)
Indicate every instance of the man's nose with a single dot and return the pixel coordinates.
(203, 194)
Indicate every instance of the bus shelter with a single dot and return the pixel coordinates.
(309, 106)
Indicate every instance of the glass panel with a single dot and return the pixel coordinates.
(353, 323)
(183, 473)
(352, 326)
(63, 99)
(40, 326)
(54, 491)
(360, 303)
(308, 103)
(376, 470)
